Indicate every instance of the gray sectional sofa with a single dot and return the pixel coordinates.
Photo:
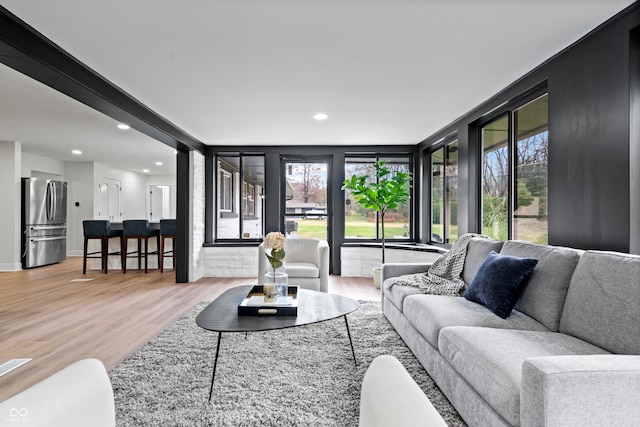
(567, 355)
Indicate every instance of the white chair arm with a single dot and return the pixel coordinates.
(79, 395)
(390, 397)
(324, 260)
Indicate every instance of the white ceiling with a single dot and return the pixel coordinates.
(253, 72)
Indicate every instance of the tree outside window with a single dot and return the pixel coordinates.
(514, 174)
(361, 223)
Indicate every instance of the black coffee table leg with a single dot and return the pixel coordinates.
(350, 341)
(215, 364)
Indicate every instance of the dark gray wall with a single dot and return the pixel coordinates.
(589, 139)
(634, 148)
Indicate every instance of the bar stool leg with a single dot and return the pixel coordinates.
(104, 253)
(146, 254)
(161, 257)
(173, 252)
(84, 265)
(123, 254)
(160, 254)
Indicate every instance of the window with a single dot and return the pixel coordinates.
(249, 199)
(306, 195)
(515, 153)
(226, 191)
(495, 179)
(361, 223)
(530, 217)
(444, 194)
(240, 188)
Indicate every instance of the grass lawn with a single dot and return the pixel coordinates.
(312, 228)
(355, 227)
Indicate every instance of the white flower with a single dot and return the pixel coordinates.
(275, 242)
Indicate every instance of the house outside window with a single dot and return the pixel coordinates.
(239, 211)
(226, 191)
(249, 199)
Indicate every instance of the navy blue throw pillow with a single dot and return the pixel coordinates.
(499, 281)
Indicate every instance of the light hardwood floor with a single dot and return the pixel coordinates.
(56, 315)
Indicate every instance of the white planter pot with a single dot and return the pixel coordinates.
(377, 277)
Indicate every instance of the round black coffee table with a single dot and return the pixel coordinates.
(313, 307)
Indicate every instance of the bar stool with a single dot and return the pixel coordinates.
(167, 231)
(99, 229)
(138, 229)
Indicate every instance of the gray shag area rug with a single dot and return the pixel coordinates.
(302, 376)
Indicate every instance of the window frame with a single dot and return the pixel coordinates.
(508, 110)
(442, 145)
(248, 199)
(411, 220)
(238, 183)
(225, 176)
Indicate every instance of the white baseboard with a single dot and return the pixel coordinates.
(8, 266)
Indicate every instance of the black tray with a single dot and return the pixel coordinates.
(268, 309)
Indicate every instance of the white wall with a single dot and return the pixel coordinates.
(10, 208)
(42, 167)
(197, 201)
(81, 190)
(359, 261)
(134, 186)
(238, 261)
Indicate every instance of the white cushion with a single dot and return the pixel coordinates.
(302, 269)
(301, 250)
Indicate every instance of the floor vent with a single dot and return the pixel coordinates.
(11, 365)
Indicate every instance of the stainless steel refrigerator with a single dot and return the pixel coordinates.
(44, 222)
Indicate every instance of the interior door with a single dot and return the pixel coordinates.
(159, 202)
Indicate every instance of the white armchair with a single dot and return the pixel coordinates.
(79, 395)
(306, 263)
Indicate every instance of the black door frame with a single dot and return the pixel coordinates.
(284, 158)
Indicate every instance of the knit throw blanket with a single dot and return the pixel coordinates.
(443, 278)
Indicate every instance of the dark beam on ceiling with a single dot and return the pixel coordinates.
(29, 52)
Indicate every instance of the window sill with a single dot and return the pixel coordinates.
(422, 247)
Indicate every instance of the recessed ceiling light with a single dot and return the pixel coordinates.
(76, 152)
(123, 126)
(145, 170)
(321, 116)
(158, 163)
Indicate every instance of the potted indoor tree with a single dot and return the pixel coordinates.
(384, 192)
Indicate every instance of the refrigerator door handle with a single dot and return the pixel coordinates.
(54, 197)
(45, 239)
(47, 227)
(49, 201)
